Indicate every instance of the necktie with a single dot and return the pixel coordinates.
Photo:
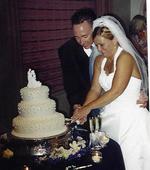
(91, 63)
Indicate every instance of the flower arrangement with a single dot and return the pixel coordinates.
(74, 147)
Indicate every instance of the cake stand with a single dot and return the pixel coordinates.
(37, 152)
(38, 146)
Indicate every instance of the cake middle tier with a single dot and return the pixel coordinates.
(37, 108)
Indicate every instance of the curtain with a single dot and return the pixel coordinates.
(44, 26)
(103, 7)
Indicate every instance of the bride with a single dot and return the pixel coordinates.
(121, 72)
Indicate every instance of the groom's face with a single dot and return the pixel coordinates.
(83, 34)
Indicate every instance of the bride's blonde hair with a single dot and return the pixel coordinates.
(104, 32)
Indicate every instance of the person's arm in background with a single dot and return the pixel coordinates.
(142, 48)
(140, 44)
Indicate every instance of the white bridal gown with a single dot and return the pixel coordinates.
(125, 122)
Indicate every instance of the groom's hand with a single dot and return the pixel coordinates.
(143, 100)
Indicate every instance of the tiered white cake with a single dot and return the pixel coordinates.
(37, 112)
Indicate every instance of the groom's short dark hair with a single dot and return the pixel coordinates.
(83, 14)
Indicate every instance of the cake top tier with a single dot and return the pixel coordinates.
(38, 93)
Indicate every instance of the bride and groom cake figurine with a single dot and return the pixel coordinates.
(32, 82)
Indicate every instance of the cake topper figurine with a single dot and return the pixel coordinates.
(32, 82)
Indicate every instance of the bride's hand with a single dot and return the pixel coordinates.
(80, 114)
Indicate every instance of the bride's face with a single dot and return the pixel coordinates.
(105, 46)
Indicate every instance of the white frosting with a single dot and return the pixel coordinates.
(37, 115)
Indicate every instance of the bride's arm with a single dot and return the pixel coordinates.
(124, 69)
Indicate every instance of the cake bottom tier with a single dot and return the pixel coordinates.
(38, 127)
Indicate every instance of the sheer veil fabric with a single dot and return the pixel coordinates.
(117, 30)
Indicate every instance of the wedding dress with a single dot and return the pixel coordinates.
(124, 121)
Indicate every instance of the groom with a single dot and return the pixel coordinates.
(75, 57)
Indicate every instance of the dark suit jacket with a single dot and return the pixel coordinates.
(75, 67)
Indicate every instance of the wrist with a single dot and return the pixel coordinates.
(88, 107)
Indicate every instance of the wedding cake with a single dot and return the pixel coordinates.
(37, 112)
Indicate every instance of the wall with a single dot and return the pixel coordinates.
(122, 9)
(128, 8)
(137, 7)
